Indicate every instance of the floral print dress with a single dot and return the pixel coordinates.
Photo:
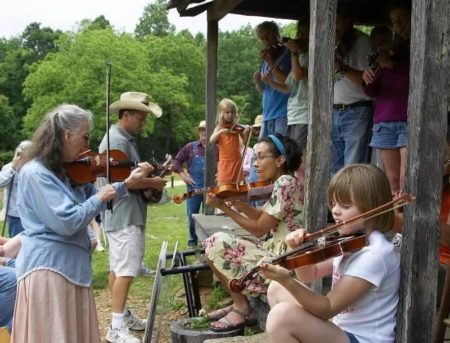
(234, 256)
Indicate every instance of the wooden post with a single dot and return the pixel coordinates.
(211, 84)
(427, 109)
(320, 78)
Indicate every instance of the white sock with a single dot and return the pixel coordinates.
(117, 320)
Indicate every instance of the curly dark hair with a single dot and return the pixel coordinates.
(293, 155)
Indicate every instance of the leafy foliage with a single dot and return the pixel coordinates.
(154, 21)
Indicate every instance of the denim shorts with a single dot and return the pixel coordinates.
(351, 337)
(389, 135)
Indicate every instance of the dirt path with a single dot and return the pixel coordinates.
(103, 302)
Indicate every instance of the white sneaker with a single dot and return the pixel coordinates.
(121, 335)
(134, 322)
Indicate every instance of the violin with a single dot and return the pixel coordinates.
(90, 165)
(301, 43)
(235, 127)
(152, 195)
(253, 191)
(274, 50)
(316, 249)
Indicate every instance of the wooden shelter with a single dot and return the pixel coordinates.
(427, 118)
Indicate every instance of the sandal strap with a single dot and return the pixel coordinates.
(220, 313)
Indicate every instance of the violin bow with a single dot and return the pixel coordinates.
(108, 91)
(238, 285)
(237, 117)
(278, 60)
(244, 152)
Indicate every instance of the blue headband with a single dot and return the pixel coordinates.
(278, 144)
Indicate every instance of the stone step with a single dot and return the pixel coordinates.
(258, 338)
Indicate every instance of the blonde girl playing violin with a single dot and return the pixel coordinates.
(229, 142)
(362, 304)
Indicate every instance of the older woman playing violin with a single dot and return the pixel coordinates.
(55, 302)
(276, 159)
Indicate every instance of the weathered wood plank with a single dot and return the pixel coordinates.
(211, 93)
(427, 108)
(220, 8)
(320, 95)
(320, 78)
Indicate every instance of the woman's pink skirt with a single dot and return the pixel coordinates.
(50, 309)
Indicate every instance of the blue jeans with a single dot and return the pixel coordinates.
(270, 127)
(14, 226)
(8, 282)
(389, 135)
(350, 136)
(193, 206)
(351, 337)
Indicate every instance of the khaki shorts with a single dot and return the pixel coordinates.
(126, 250)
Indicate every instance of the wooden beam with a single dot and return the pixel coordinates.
(320, 95)
(427, 118)
(211, 94)
(220, 8)
(320, 78)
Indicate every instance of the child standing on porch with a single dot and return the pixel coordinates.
(362, 304)
(228, 135)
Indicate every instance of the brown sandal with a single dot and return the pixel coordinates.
(248, 319)
(220, 313)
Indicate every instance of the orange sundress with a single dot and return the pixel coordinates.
(229, 159)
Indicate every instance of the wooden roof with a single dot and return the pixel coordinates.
(367, 12)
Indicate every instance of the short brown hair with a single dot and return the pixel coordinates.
(367, 187)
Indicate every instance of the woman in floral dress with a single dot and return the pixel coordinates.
(276, 159)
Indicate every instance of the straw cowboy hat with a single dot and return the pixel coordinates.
(258, 121)
(136, 101)
(201, 125)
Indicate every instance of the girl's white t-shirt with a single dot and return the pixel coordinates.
(372, 318)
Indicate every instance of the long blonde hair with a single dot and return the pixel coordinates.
(224, 103)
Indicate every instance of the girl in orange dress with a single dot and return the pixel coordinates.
(229, 143)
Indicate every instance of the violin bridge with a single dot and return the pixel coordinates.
(321, 241)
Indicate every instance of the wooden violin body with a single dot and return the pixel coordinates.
(90, 165)
(333, 248)
(253, 191)
(307, 255)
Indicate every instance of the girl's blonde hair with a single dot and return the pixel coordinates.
(365, 186)
(224, 103)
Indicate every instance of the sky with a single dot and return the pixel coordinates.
(122, 14)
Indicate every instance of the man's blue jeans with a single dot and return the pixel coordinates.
(270, 127)
(8, 283)
(350, 137)
(193, 206)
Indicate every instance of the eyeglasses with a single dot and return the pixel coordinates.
(260, 158)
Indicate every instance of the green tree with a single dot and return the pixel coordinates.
(238, 60)
(99, 23)
(40, 41)
(76, 74)
(8, 132)
(182, 56)
(154, 21)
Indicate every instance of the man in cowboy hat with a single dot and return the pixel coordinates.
(125, 225)
(192, 155)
